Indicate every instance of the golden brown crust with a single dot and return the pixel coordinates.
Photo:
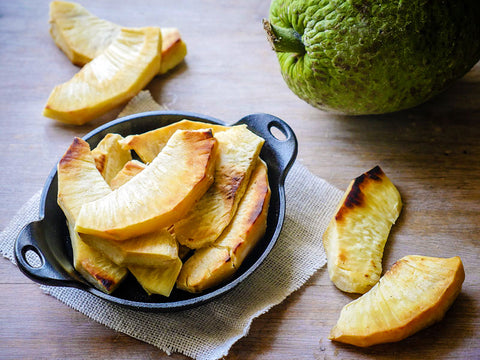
(355, 196)
(77, 150)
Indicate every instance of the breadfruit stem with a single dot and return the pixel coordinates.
(283, 39)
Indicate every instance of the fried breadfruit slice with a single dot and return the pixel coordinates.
(112, 78)
(158, 196)
(238, 151)
(110, 157)
(155, 274)
(212, 265)
(129, 170)
(159, 279)
(355, 237)
(93, 265)
(156, 248)
(149, 144)
(415, 293)
(83, 36)
(78, 183)
(152, 249)
(174, 49)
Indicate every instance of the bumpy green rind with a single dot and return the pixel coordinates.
(372, 57)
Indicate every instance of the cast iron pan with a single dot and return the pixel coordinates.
(49, 238)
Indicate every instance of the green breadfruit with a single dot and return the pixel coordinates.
(373, 57)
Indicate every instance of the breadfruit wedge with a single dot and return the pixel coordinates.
(174, 49)
(238, 150)
(415, 293)
(129, 170)
(156, 248)
(93, 265)
(211, 265)
(112, 78)
(158, 196)
(157, 280)
(80, 182)
(149, 144)
(151, 249)
(155, 273)
(355, 237)
(83, 36)
(110, 157)
(79, 34)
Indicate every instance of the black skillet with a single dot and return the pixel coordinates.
(49, 238)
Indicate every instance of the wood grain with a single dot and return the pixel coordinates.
(431, 153)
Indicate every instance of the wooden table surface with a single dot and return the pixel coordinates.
(431, 153)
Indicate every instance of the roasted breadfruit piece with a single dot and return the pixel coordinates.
(415, 293)
(149, 144)
(115, 76)
(153, 258)
(211, 265)
(158, 279)
(78, 183)
(83, 36)
(152, 249)
(238, 151)
(159, 195)
(110, 157)
(355, 237)
(129, 170)
(174, 49)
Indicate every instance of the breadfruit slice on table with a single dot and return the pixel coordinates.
(83, 36)
(415, 293)
(355, 237)
(112, 78)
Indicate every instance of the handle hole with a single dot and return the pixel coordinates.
(32, 256)
(277, 132)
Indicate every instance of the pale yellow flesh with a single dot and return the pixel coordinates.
(151, 249)
(158, 196)
(129, 170)
(157, 263)
(149, 144)
(415, 293)
(78, 183)
(110, 157)
(238, 151)
(83, 36)
(157, 280)
(112, 78)
(356, 236)
(79, 34)
(212, 265)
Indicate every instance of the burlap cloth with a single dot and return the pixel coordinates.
(208, 332)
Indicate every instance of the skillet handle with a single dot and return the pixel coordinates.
(40, 271)
(283, 147)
